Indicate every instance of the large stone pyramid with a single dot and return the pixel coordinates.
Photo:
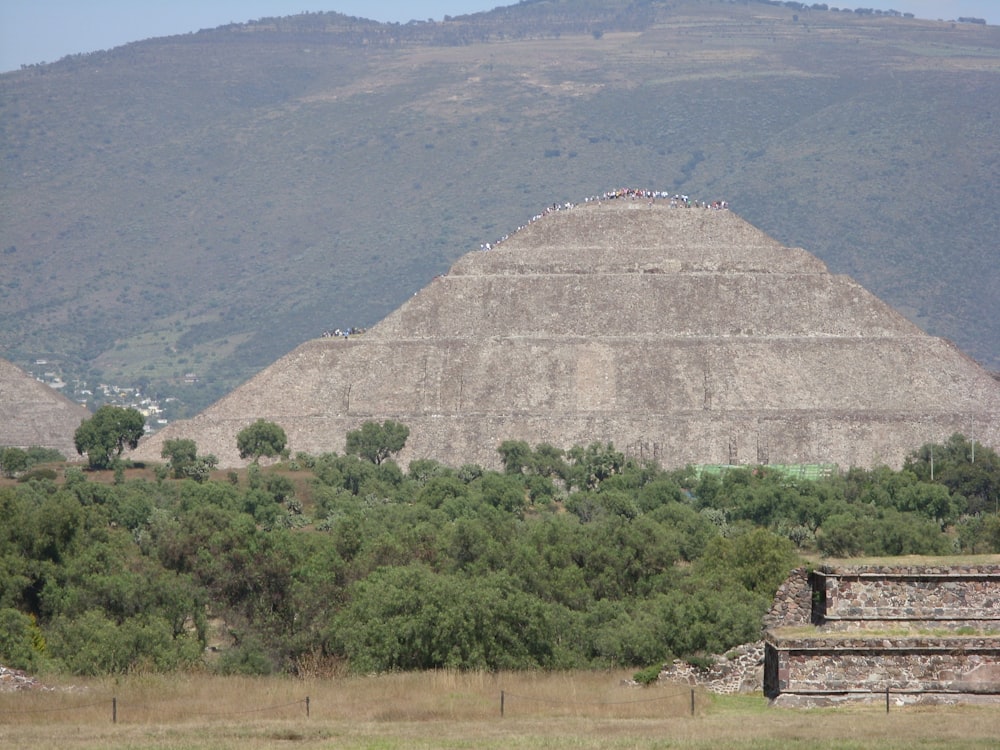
(32, 414)
(684, 335)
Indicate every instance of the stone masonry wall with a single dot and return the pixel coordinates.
(958, 594)
(792, 602)
(949, 665)
(922, 630)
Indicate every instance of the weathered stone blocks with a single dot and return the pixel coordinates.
(908, 629)
(686, 336)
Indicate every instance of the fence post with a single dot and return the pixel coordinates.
(887, 699)
(501, 704)
(114, 709)
(692, 701)
(307, 706)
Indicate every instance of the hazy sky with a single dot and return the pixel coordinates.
(33, 31)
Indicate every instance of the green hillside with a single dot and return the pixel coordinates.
(200, 204)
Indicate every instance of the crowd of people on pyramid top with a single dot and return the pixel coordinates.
(676, 200)
(339, 333)
(548, 210)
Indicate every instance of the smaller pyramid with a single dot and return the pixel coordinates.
(32, 414)
(681, 335)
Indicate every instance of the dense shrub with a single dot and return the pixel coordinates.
(582, 559)
(22, 644)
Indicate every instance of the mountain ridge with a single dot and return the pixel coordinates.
(205, 203)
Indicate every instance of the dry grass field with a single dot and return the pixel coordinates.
(454, 710)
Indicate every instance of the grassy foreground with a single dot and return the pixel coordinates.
(452, 710)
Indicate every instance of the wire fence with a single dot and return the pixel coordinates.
(136, 712)
(114, 707)
(671, 696)
(523, 704)
(79, 707)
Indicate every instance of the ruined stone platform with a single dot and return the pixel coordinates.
(922, 633)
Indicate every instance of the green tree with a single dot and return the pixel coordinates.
(515, 455)
(991, 533)
(422, 470)
(185, 461)
(706, 615)
(22, 645)
(757, 560)
(182, 453)
(846, 535)
(407, 618)
(376, 442)
(966, 467)
(867, 530)
(40, 455)
(350, 472)
(438, 489)
(93, 644)
(13, 461)
(262, 438)
(930, 500)
(593, 464)
(548, 461)
(502, 491)
(104, 436)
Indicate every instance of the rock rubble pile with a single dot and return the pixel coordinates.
(15, 679)
(740, 670)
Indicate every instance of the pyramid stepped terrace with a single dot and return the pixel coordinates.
(682, 335)
(32, 414)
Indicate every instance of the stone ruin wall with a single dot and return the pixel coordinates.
(901, 665)
(467, 402)
(967, 596)
(792, 602)
(919, 631)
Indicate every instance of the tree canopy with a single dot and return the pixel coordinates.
(262, 438)
(13, 461)
(376, 442)
(185, 461)
(582, 559)
(105, 435)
